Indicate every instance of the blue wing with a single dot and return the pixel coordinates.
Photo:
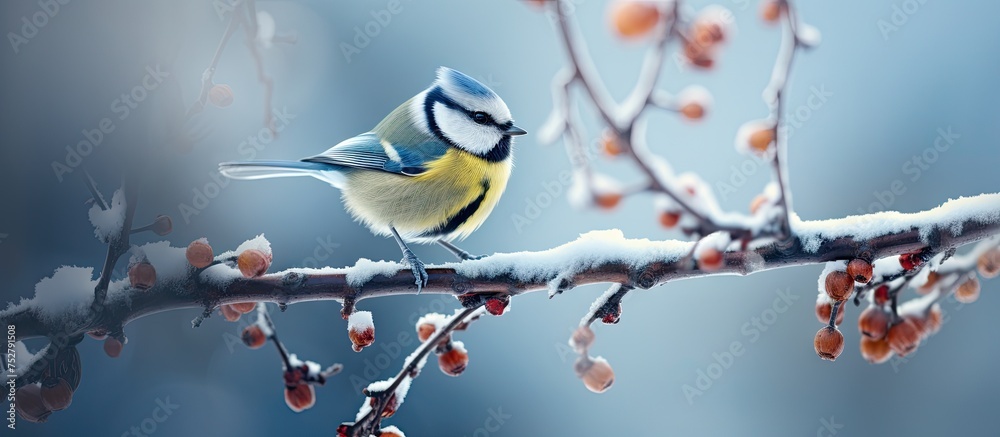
(369, 152)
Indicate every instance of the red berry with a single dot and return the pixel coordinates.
(454, 361)
(199, 253)
(824, 310)
(98, 334)
(497, 305)
(613, 316)
(29, 405)
(163, 225)
(860, 270)
(875, 351)
(253, 263)
(881, 295)
(300, 397)
(230, 314)
(910, 261)
(253, 336)
(710, 260)
(390, 406)
(829, 343)
(904, 337)
(360, 330)
(608, 200)
(839, 285)
(142, 275)
(669, 219)
(873, 322)
(244, 307)
(113, 347)
(56, 394)
(425, 331)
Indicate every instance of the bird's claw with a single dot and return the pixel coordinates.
(417, 267)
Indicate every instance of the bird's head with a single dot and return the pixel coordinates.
(469, 115)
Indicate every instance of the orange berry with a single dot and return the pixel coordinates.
(829, 343)
(770, 11)
(244, 307)
(56, 394)
(113, 347)
(253, 263)
(860, 270)
(610, 144)
(988, 263)
(761, 139)
(698, 55)
(693, 111)
(634, 19)
(253, 336)
(597, 374)
(608, 200)
(229, 313)
(221, 95)
(300, 397)
(904, 337)
(454, 361)
(873, 322)
(361, 329)
(142, 275)
(932, 280)
(875, 351)
(425, 331)
(825, 309)
(968, 291)
(710, 260)
(757, 203)
(839, 285)
(582, 338)
(392, 431)
(199, 253)
(669, 219)
(29, 405)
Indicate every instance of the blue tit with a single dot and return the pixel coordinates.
(430, 172)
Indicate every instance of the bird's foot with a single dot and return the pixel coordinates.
(417, 267)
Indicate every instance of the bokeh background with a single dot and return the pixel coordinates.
(887, 95)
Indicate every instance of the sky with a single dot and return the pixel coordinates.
(864, 108)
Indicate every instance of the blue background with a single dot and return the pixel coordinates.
(890, 95)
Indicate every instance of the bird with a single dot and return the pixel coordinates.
(431, 171)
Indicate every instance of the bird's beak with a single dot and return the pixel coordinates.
(514, 131)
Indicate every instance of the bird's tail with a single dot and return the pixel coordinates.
(276, 169)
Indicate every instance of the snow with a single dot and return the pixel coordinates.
(578, 194)
(949, 216)
(742, 142)
(170, 262)
(69, 293)
(108, 223)
(314, 368)
(589, 250)
(221, 275)
(262, 320)
(259, 242)
(809, 35)
(365, 269)
(599, 302)
(694, 94)
(379, 386)
(360, 321)
(887, 266)
(265, 29)
(716, 240)
(23, 357)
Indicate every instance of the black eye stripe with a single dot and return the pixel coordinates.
(437, 94)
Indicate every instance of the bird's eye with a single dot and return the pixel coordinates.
(480, 117)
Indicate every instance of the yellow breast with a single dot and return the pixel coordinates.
(450, 200)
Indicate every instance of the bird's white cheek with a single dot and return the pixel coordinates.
(468, 135)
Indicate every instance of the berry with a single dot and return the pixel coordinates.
(98, 334)
(361, 329)
(244, 307)
(860, 270)
(56, 394)
(669, 219)
(28, 403)
(221, 95)
(873, 323)
(253, 263)
(199, 253)
(875, 351)
(612, 316)
(113, 347)
(829, 343)
(163, 225)
(425, 331)
(839, 285)
(633, 19)
(770, 11)
(968, 291)
(229, 313)
(607, 200)
(343, 429)
(692, 111)
(454, 361)
(391, 431)
(933, 320)
(142, 275)
(910, 261)
(597, 374)
(582, 338)
(904, 337)
(497, 305)
(988, 263)
(253, 336)
(761, 139)
(300, 397)
(710, 260)
(881, 295)
(824, 310)
(610, 144)
(932, 280)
